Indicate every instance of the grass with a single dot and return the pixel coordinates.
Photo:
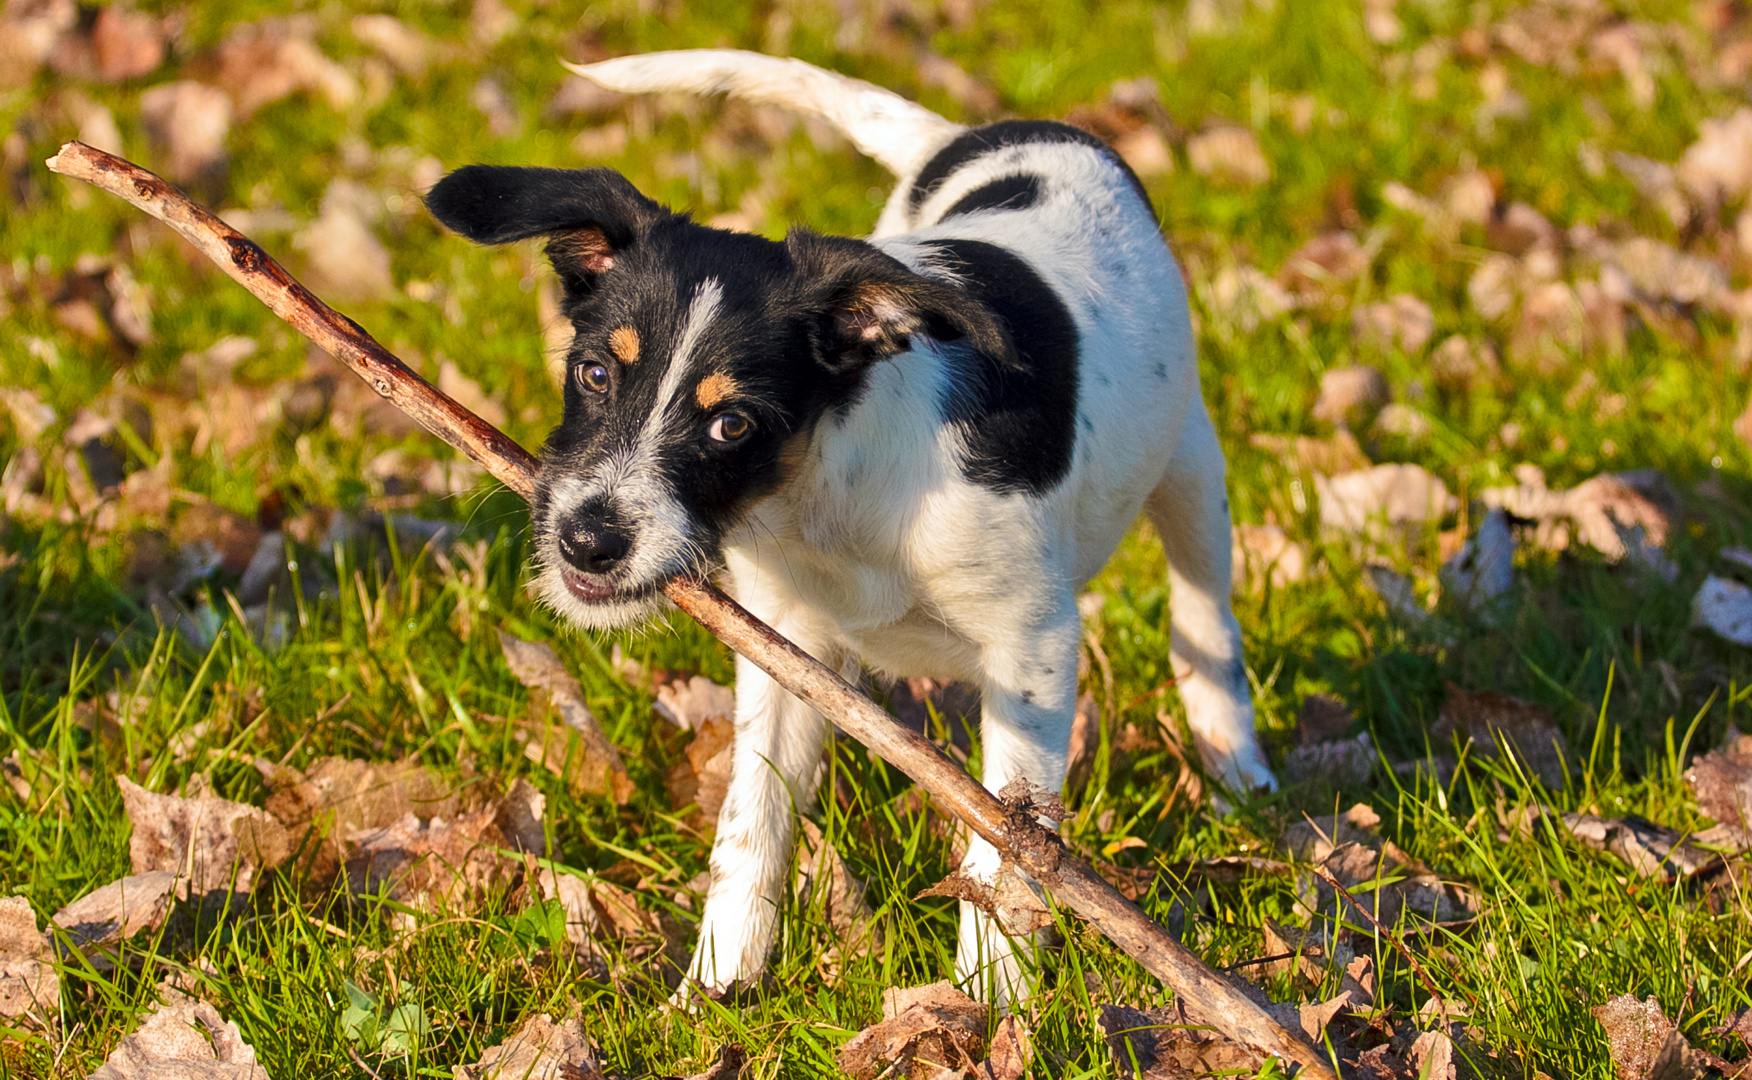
(387, 653)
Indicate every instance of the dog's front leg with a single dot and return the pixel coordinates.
(1029, 691)
(775, 760)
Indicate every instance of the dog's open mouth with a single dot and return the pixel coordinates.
(594, 590)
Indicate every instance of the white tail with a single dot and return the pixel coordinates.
(900, 135)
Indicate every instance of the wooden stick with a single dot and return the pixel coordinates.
(1013, 828)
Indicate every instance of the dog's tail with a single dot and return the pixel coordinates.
(900, 135)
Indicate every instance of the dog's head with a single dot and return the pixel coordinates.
(701, 362)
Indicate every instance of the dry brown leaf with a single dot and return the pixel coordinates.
(126, 44)
(1351, 396)
(598, 768)
(1321, 718)
(262, 62)
(1616, 514)
(1651, 850)
(1460, 364)
(212, 843)
(188, 121)
(1264, 553)
(822, 873)
(183, 1041)
(1009, 899)
(29, 983)
(1401, 322)
(539, 1050)
(337, 797)
(1721, 781)
(1495, 723)
(448, 865)
(1642, 1038)
(408, 49)
(28, 32)
(1334, 761)
(1324, 266)
(1241, 299)
(1717, 168)
(1398, 495)
(1228, 154)
(689, 703)
(1387, 883)
(1341, 453)
(119, 910)
(727, 1066)
(925, 1029)
(1164, 1044)
(702, 777)
(1012, 1046)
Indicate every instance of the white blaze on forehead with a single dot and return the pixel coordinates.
(700, 313)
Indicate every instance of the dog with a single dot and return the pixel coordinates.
(906, 452)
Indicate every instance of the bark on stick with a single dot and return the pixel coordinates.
(1013, 829)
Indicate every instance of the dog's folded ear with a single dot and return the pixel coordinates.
(870, 304)
(588, 214)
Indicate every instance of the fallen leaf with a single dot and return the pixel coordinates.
(1322, 717)
(118, 911)
(1351, 396)
(1324, 266)
(189, 122)
(181, 1041)
(1228, 154)
(1383, 881)
(1646, 1045)
(408, 49)
(1721, 781)
(262, 62)
(1146, 151)
(1717, 168)
(1402, 322)
(1264, 553)
(1724, 607)
(1012, 1046)
(1661, 272)
(346, 258)
(727, 1066)
(1649, 849)
(1243, 298)
(1340, 453)
(337, 797)
(211, 843)
(598, 768)
(30, 985)
(28, 32)
(1460, 364)
(1399, 495)
(126, 44)
(1495, 723)
(437, 865)
(1009, 898)
(822, 877)
(469, 395)
(1333, 761)
(539, 1050)
(1613, 513)
(925, 1029)
(1164, 1044)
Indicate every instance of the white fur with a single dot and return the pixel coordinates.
(878, 550)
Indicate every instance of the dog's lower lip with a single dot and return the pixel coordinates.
(588, 590)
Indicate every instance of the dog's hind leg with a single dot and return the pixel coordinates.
(775, 761)
(1029, 698)
(1190, 510)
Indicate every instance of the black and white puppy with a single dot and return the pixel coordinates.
(908, 452)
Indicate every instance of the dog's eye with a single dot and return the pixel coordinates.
(594, 378)
(729, 427)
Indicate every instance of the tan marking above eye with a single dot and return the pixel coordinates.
(623, 341)
(714, 390)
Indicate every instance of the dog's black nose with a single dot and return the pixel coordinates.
(590, 541)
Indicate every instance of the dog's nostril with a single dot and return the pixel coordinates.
(591, 546)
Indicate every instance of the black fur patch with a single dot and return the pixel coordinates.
(1017, 414)
(980, 141)
(1017, 192)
